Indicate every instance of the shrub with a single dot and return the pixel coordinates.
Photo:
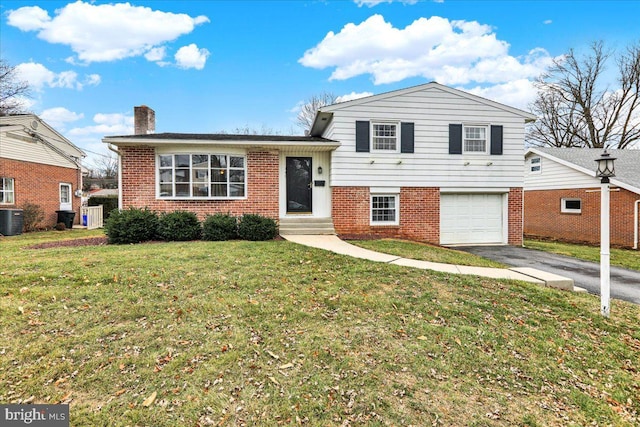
(179, 226)
(220, 227)
(109, 204)
(256, 227)
(60, 226)
(32, 215)
(131, 226)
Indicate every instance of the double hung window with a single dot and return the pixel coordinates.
(198, 176)
(384, 137)
(536, 164)
(475, 139)
(7, 191)
(384, 209)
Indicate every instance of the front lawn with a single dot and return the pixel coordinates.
(273, 333)
(626, 258)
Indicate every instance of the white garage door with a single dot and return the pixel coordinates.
(471, 219)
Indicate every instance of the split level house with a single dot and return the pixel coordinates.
(428, 163)
(562, 195)
(38, 166)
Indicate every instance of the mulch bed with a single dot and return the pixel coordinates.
(88, 241)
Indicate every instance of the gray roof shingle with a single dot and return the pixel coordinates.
(627, 163)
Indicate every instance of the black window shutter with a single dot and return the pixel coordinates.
(406, 137)
(455, 139)
(496, 140)
(362, 136)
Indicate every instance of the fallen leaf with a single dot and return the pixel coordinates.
(457, 340)
(273, 380)
(286, 366)
(21, 309)
(275, 356)
(422, 338)
(149, 400)
(122, 391)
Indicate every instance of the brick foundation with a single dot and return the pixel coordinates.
(139, 186)
(419, 214)
(543, 217)
(40, 184)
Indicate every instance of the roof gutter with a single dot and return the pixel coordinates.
(635, 227)
(115, 150)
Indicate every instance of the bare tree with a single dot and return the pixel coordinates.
(308, 111)
(576, 109)
(11, 90)
(106, 166)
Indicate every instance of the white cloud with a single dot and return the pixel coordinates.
(106, 124)
(450, 52)
(547, 22)
(28, 18)
(58, 117)
(518, 93)
(106, 32)
(371, 3)
(38, 76)
(156, 54)
(353, 95)
(191, 57)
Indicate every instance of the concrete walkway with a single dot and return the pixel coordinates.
(334, 244)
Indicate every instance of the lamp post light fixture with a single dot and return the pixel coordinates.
(604, 172)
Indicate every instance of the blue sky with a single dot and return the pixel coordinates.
(211, 66)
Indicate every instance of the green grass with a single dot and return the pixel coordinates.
(426, 252)
(626, 258)
(273, 333)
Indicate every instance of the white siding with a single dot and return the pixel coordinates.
(555, 176)
(36, 152)
(45, 131)
(431, 110)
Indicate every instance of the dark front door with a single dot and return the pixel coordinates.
(299, 184)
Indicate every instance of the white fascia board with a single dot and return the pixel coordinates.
(324, 146)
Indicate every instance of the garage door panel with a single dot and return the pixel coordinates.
(471, 218)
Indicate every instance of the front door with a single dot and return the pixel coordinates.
(299, 184)
(65, 197)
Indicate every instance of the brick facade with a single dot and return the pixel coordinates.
(139, 186)
(543, 217)
(419, 214)
(40, 184)
(516, 214)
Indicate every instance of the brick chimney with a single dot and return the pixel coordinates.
(144, 119)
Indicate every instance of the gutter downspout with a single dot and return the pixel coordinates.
(115, 150)
(635, 225)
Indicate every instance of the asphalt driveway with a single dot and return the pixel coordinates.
(625, 284)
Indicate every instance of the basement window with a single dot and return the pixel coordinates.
(571, 206)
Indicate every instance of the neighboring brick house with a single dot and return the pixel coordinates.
(562, 195)
(428, 163)
(38, 166)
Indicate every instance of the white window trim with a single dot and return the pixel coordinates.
(487, 139)
(173, 167)
(397, 209)
(3, 180)
(538, 164)
(70, 186)
(563, 205)
(372, 135)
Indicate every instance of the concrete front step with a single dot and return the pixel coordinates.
(306, 225)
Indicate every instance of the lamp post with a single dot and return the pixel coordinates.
(604, 172)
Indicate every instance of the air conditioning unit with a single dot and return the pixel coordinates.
(11, 222)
